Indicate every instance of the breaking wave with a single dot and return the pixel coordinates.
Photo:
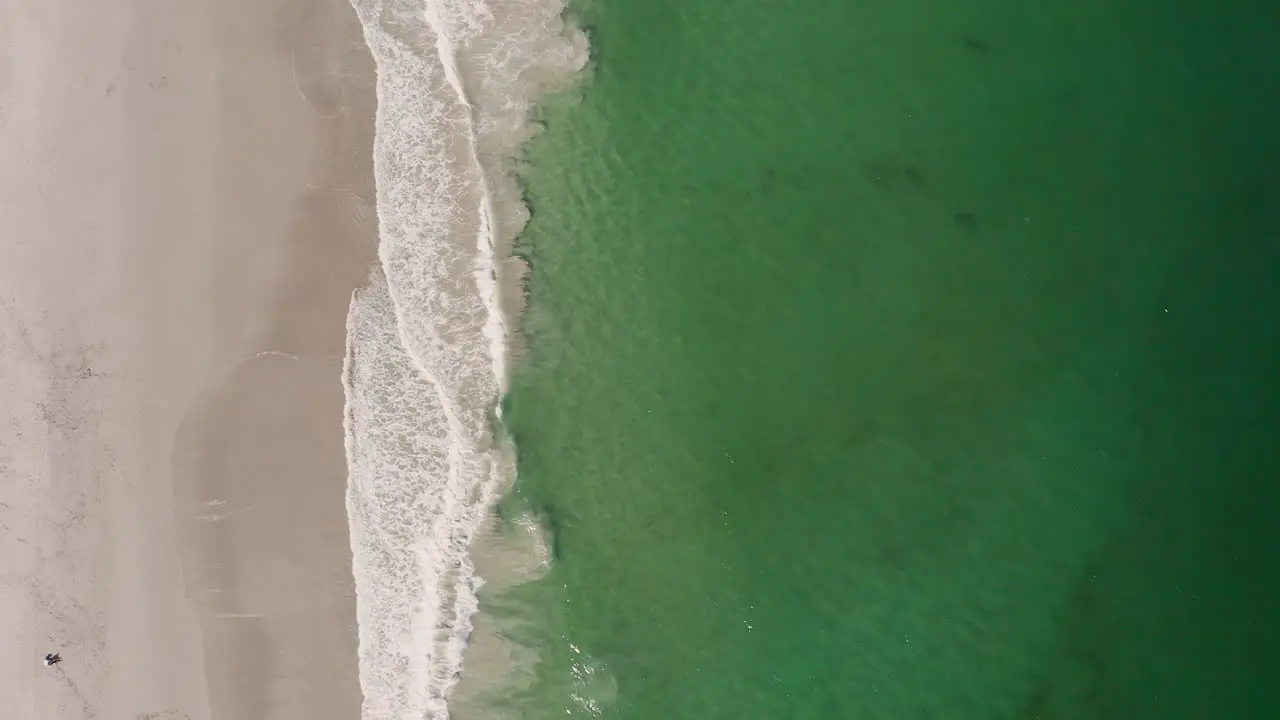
(428, 335)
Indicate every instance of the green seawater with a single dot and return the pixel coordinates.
(905, 360)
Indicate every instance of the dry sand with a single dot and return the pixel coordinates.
(186, 203)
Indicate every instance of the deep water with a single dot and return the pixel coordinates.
(906, 360)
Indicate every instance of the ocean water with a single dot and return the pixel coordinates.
(886, 360)
(905, 360)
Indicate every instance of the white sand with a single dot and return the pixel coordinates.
(185, 206)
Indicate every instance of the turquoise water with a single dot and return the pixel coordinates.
(893, 360)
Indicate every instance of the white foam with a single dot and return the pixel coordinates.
(426, 356)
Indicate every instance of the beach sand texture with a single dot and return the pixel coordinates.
(186, 205)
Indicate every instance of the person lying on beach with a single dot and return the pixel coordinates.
(52, 659)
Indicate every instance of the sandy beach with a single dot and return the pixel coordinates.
(186, 201)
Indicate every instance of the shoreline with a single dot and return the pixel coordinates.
(433, 334)
(195, 215)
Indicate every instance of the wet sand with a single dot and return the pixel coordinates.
(186, 201)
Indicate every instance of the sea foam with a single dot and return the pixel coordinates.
(427, 342)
